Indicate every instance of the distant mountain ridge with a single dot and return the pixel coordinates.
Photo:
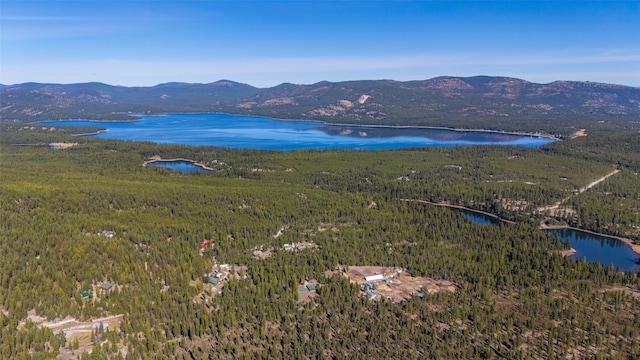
(469, 102)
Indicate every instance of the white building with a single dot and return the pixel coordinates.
(374, 277)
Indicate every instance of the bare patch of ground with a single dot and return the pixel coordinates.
(567, 252)
(324, 227)
(625, 289)
(279, 101)
(80, 331)
(579, 133)
(345, 103)
(194, 283)
(262, 254)
(62, 145)
(363, 98)
(334, 109)
(247, 105)
(395, 284)
(280, 231)
(306, 297)
(73, 328)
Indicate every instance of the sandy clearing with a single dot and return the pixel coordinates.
(396, 285)
(363, 98)
(280, 232)
(62, 145)
(578, 133)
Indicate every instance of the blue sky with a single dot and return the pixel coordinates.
(265, 43)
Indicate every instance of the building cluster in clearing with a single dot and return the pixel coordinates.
(307, 291)
(98, 290)
(263, 253)
(395, 284)
(106, 233)
(217, 277)
(299, 246)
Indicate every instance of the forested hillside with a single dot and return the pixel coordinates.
(516, 295)
(481, 102)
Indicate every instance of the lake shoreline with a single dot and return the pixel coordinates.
(502, 132)
(634, 247)
(494, 216)
(628, 242)
(91, 133)
(323, 122)
(417, 127)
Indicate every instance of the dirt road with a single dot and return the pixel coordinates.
(580, 191)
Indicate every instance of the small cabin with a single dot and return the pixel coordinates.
(106, 286)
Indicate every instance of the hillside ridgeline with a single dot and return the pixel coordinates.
(481, 102)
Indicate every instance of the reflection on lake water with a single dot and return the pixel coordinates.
(251, 132)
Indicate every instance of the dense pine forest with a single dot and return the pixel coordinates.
(516, 297)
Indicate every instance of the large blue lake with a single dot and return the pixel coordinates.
(252, 132)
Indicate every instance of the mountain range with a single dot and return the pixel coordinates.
(499, 103)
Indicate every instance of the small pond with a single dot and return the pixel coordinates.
(178, 165)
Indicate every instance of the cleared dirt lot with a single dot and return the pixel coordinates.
(74, 329)
(397, 284)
